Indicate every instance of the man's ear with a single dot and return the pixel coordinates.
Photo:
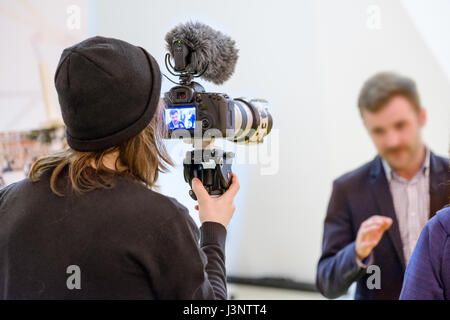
(363, 118)
(422, 117)
(361, 113)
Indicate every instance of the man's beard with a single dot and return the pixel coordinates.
(411, 151)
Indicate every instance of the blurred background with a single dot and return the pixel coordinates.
(308, 58)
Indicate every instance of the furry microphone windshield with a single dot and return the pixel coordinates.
(209, 48)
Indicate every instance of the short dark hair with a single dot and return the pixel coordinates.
(173, 112)
(381, 87)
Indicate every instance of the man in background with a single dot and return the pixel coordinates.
(395, 193)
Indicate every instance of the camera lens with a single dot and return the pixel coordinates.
(252, 120)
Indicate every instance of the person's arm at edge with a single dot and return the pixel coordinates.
(422, 277)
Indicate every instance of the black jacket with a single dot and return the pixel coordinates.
(355, 197)
(129, 242)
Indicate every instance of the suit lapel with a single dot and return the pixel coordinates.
(439, 177)
(382, 194)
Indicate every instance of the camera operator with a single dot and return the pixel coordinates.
(87, 223)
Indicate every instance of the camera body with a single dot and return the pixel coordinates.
(189, 107)
(209, 114)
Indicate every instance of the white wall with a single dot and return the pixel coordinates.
(309, 59)
(433, 24)
(32, 35)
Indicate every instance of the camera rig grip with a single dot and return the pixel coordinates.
(212, 167)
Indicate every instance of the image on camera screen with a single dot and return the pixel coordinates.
(180, 118)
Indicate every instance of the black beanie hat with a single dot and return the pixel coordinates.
(108, 91)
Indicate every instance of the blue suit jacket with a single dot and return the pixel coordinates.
(427, 276)
(356, 196)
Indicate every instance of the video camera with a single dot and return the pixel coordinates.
(199, 51)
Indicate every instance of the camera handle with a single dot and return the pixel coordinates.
(212, 167)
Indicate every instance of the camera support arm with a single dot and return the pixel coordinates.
(212, 167)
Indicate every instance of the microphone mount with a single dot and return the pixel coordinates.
(185, 77)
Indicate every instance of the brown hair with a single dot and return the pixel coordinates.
(380, 88)
(142, 157)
